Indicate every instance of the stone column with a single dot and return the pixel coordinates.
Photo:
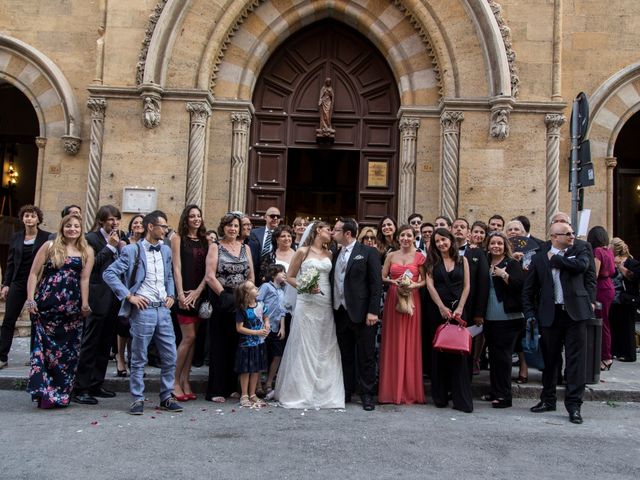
(407, 185)
(450, 162)
(199, 112)
(97, 105)
(611, 163)
(241, 121)
(553, 121)
(41, 142)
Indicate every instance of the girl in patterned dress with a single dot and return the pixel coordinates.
(252, 325)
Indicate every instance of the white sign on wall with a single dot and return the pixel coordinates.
(139, 200)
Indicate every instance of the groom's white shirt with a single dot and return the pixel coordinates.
(338, 276)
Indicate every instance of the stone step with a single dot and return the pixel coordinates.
(23, 325)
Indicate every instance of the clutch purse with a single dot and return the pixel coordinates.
(205, 310)
(453, 338)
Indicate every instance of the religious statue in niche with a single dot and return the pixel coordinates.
(325, 103)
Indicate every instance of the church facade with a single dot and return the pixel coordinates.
(454, 107)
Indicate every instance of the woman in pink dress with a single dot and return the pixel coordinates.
(605, 291)
(401, 351)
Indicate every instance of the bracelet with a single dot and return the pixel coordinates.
(31, 304)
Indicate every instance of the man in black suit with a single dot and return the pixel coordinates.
(260, 240)
(100, 326)
(356, 279)
(415, 220)
(560, 296)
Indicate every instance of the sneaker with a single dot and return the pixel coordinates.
(137, 408)
(170, 405)
(3, 363)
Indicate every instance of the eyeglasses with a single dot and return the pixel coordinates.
(235, 214)
(568, 234)
(164, 227)
(416, 222)
(273, 216)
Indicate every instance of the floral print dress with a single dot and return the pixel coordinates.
(58, 333)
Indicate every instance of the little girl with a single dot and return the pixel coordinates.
(252, 323)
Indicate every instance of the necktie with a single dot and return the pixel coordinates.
(266, 247)
(154, 248)
(557, 285)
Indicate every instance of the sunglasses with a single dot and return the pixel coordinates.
(273, 216)
(369, 237)
(568, 234)
(416, 222)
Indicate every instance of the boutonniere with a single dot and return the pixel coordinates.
(475, 259)
(358, 257)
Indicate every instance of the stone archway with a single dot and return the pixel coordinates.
(365, 119)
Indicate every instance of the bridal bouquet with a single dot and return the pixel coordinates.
(309, 280)
(404, 303)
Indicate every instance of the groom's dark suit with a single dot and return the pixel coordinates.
(362, 290)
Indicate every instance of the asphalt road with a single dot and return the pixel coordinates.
(226, 442)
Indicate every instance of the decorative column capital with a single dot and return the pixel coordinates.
(451, 120)
(199, 112)
(97, 105)
(554, 121)
(241, 120)
(611, 162)
(71, 144)
(41, 142)
(409, 126)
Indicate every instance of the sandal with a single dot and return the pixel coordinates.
(258, 403)
(521, 379)
(245, 402)
(604, 365)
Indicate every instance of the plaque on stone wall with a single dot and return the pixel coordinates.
(139, 200)
(377, 174)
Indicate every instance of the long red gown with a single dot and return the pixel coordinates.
(401, 349)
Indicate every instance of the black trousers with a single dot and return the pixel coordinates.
(573, 335)
(357, 343)
(450, 373)
(501, 336)
(223, 343)
(623, 331)
(97, 339)
(15, 301)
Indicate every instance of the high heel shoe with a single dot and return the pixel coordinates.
(192, 396)
(604, 365)
(501, 403)
(121, 373)
(182, 398)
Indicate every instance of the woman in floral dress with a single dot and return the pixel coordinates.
(57, 303)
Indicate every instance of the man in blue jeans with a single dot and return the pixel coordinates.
(147, 294)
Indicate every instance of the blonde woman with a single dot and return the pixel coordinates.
(57, 303)
(368, 237)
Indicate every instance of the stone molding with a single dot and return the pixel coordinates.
(450, 121)
(150, 28)
(553, 121)
(98, 107)
(505, 31)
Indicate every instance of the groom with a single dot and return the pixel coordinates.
(357, 286)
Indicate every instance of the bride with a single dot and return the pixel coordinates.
(310, 375)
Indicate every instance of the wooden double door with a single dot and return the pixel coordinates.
(354, 175)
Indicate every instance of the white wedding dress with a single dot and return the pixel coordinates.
(310, 374)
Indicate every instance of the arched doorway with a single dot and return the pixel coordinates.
(19, 128)
(626, 199)
(356, 174)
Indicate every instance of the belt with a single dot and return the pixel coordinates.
(155, 304)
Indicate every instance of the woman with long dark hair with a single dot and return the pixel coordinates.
(605, 292)
(189, 252)
(448, 286)
(504, 319)
(228, 265)
(22, 249)
(387, 236)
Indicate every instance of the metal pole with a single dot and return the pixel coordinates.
(574, 165)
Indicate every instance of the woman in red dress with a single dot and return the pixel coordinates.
(401, 351)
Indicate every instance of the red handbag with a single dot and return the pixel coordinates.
(452, 338)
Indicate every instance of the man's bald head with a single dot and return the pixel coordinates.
(561, 235)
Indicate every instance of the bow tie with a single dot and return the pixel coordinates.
(154, 248)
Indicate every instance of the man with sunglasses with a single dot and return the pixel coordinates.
(415, 220)
(260, 241)
(559, 295)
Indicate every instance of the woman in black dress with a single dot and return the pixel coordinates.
(22, 249)
(625, 304)
(448, 286)
(189, 252)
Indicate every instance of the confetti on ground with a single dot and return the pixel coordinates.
(78, 431)
(94, 423)
(152, 416)
(452, 418)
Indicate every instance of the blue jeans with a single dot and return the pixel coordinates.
(152, 323)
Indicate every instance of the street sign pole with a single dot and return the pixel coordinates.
(574, 163)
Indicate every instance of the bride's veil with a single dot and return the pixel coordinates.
(290, 293)
(307, 232)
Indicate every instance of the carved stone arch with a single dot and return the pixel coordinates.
(49, 91)
(614, 102)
